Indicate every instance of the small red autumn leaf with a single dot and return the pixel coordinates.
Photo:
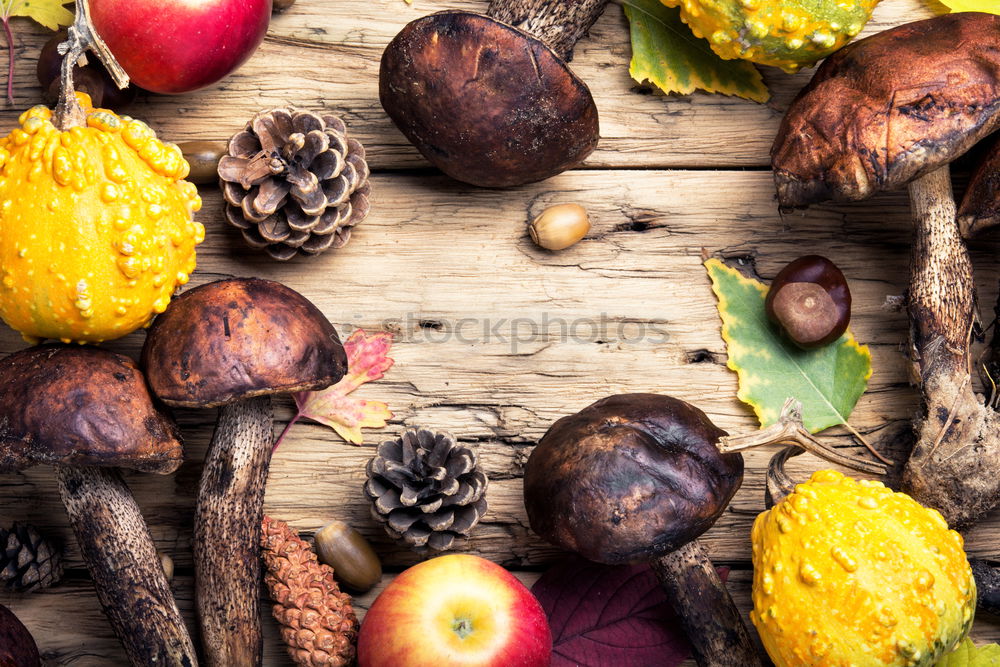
(610, 616)
(367, 360)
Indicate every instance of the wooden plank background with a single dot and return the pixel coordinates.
(496, 339)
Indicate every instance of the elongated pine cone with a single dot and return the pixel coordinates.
(317, 621)
(294, 182)
(426, 489)
(28, 561)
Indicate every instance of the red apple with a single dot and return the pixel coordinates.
(175, 46)
(455, 611)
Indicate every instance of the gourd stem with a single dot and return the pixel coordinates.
(559, 24)
(779, 483)
(81, 36)
(789, 431)
(712, 622)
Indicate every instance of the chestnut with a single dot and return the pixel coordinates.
(809, 299)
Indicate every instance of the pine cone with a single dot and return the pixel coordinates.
(426, 489)
(317, 621)
(294, 182)
(28, 561)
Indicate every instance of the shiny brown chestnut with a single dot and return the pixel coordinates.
(809, 299)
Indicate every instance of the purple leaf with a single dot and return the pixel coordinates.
(610, 616)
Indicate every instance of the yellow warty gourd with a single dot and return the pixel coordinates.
(96, 228)
(789, 34)
(852, 574)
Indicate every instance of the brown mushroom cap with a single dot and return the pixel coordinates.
(629, 478)
(484, 102)
(17, 646)
(81, 406)
(889, 108)
(980, 207)
(235, 339)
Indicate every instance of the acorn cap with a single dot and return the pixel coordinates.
(629, 478)
(890, 108)
(81, 406)
(484, 102)
(239, 338)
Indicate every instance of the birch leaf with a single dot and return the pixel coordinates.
(828, 381)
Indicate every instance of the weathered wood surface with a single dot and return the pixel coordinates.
(494, 338)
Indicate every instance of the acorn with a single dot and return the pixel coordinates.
(809, 299)
(203, 157)
(560, 226)
(167, 563)
(352, 558)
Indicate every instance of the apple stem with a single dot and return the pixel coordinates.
(462, 627)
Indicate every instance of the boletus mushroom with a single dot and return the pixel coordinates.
(489, 100)
(890, 110)
(233, 344)
(17, 646)
(87, 411)
(980, 207)
(638, 478)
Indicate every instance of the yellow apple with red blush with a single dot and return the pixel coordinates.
(455, 611)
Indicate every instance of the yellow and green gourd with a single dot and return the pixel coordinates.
(852, 573)
(789, 34)
(96, 228)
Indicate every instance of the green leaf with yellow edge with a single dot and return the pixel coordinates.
(667, 54)
(828, 381)
(50, 13)
(967, 655)
(988, 6)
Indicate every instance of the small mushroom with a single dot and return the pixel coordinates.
(639, 477)
(489, 100)
(233, 344)
(895, 109)
(980, 207)
(87, 411)
(17, 646)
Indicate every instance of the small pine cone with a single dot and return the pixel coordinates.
(28, 561)
(294, 182)
(317, 621)
(426, 489)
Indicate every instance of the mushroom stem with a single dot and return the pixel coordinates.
(123, 562)
(559, 24)
(944, 470)
(788, 430)
(713, 624)
(227, 534)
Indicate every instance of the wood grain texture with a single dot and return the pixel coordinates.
(495, 339)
